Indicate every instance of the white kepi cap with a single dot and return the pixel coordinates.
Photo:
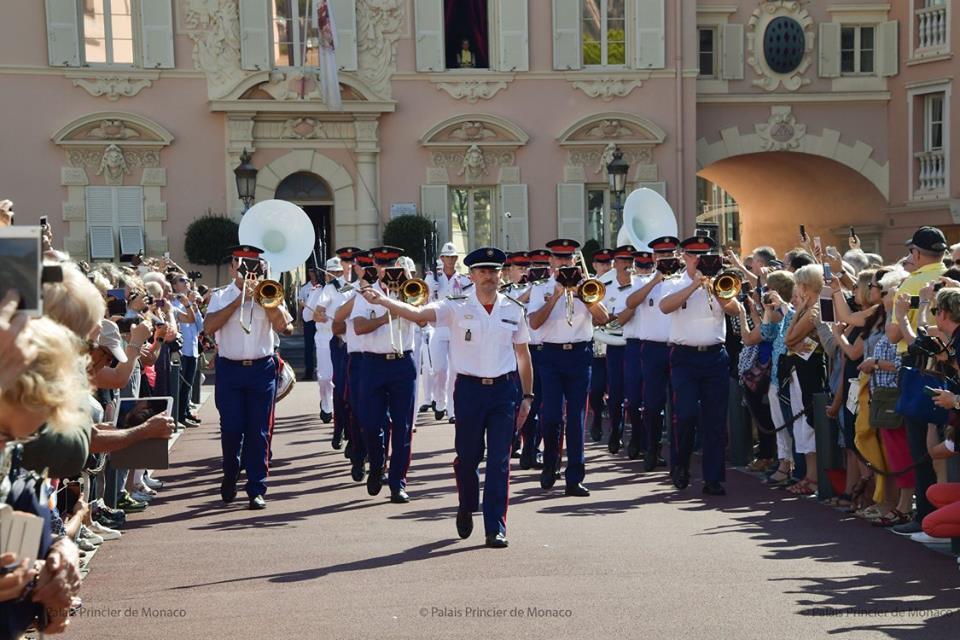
(333, 264)
(448, 250)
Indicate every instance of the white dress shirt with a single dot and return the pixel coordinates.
(697, 323)
(481, 343)
(615, 298)
(378, 341)
(443, 287)
(555, 329)
(328, 298)
(355, 343)
(648, 322)
(304, 296)
(232, 342)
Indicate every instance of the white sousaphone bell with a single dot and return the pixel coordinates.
(646, 217)
(285, 233)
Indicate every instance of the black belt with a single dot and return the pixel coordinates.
(658, 342)
(565, 346)
(712, 348)
(386, 356)
(487, 382)
(246, 363)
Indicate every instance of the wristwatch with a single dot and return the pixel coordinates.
(528, 396)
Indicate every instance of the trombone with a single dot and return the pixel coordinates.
(413, 291)
(267, 293)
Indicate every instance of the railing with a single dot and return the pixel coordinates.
(932, 23)
(932, 174)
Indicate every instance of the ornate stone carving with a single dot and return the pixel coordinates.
(301, 129)
(492, 157)
(597, 158)
(378, 26)
(472, 90)
(473, 166)
(113, 166)
(607, 88)
(93, 159)
(366, 130)
(608, 129)
(214, 27)
(142, 158)
(279, 130)
(113, 87)
(472, 132)
(762, 16)
(112, 130)
(781, 132)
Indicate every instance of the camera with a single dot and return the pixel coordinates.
(194, 275)
(938, 286)
(925, 346)
(767, 298)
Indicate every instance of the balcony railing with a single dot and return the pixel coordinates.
(932, 173)
(932, 26)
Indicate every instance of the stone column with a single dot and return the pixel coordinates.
(368, 185)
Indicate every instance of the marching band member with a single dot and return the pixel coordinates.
(530, 454)
(647, 330)
(347, 260)
(614, 301)
(246, 369)
(699, 368)
(443, 284)
(602, 266)
(488, 341)
(316, 309)
(314, 283)
(386, 401)
(567, 355)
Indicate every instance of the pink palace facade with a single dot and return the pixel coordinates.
(124, 119)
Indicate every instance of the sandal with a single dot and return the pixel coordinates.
(803, 488)
(892, 519)
(842, 501)
(869, 513)
(859, 489)
(778, 478)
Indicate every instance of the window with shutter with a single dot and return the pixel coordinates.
(731, 66)
(516, 228)
(255, 35)
(571, 211)
(430, 38)
(108, 33)
(130, 219)
(434, 207)
(604, 32)
(345, 19)
(114, 216)
(566, 35)
(63, 33)
(156, 21)
(829, 60)
(650, 25)
(512, 16)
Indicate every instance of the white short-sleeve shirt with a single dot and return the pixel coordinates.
(379, 341)
(555, 329)
(648, 322)
(303, 295)
(444, 286)
(481, 342)
(698, 323)
(232, 342)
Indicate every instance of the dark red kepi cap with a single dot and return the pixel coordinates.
(563, 247)
(698, 245)
(385, 254)
(603, 255)
(664, 244)
(245, 251)
(539, 256)
(518, 258)
(347, 253)
(363, 258)
(624, 251)
(643, 259)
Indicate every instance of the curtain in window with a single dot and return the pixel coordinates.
(466, 20)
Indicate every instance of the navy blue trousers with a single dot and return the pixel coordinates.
(386, 411)
(245, 398)
(358, 447)
(615, 386)
(598, 387)
(566, 380)
(633, 390)
(484, 410)
(656, 379)
(338, 356)
(531, 426)
(701, 385)
(309, 349)
(188, 370)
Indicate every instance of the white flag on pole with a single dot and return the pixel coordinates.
(327, 70)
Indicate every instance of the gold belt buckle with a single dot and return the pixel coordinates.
(568, 347)
(702, 348)
(486, 381)
(246, 363)
(391, 356)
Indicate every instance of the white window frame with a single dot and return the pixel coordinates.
(715, 53)
(108, 39)
(858, 50)
(604, 54)
(717, 18)
(608, 231)
(496, 227)
(928, 121)
(918, 90)
(297, 45)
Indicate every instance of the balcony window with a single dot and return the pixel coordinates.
(294, 43)
(932, 22)
(604, 33)
(108, 32)
(466, 34)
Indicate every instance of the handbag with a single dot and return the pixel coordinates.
(914, 404)
(883, 408)
(757, 377)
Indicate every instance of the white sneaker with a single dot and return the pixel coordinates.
(923, 538)
(152, 483)
(85, 544)
(141, 497)
(145, 490)
(87, 534)
(104, 532)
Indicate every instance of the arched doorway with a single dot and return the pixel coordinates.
(766, 196)
(313, 195)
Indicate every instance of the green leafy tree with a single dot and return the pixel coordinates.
(208, 239)
(410, 233)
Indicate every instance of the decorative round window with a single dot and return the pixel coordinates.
(784, 44)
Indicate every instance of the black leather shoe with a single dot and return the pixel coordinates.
(228, 491)
(325, 417)
(577, 490)
(633, 450)
(374, 482)
(547, 479)
(596, 432)
(257, 503)
(497, 541)
(681, 478)
(526, 460)
(452, 420)
(614, 444)
(337, 441)
(538, 460)
(424, 408)
(464, 523)
(714, 489)
(649, 461)
(399, 497)
(348, 450)
(356, 471)
(438, 415)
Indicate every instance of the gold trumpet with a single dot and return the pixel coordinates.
(414, 291)
(726, 285)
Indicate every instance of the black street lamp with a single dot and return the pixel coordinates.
(617, 177)
(246, 180)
